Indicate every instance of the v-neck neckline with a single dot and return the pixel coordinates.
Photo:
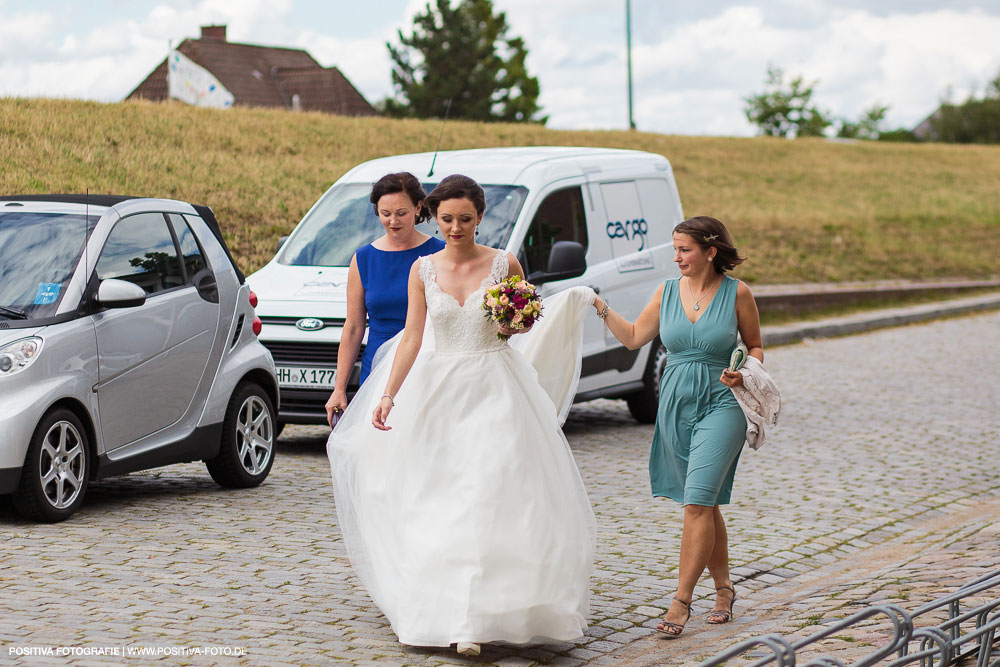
(482, 283)
(703, 311)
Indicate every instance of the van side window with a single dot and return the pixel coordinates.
(141, 250)
(560, 217)
(193, 258)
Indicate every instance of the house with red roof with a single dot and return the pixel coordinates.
(261, 76)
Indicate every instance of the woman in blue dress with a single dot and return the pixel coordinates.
(377, 278)
(700, 428)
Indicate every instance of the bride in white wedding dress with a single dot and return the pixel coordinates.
(462, 510)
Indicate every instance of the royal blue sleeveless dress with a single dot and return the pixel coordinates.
(700, 428)
(384, 275)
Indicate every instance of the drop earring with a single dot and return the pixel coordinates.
(477, 231)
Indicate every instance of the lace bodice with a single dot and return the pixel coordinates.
(462, 329)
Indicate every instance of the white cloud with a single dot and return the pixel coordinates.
(693, 64)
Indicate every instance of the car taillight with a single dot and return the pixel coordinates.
(257, 324)
(253, 300)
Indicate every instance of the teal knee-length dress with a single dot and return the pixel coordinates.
(700, 428)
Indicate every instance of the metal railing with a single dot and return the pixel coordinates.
(932, 646)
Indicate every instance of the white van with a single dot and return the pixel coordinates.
(572, 216)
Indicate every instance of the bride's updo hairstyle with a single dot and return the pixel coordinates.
(456, 186)
(708, 232)
(402, 181)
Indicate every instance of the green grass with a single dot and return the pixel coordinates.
(803, 210)
(865, 305)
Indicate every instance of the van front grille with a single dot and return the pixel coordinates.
(309, 354)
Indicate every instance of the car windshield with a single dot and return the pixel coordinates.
(40, 253)
(343, 220)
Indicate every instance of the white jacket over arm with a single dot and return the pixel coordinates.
(760, 399)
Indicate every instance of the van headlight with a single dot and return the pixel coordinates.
(16, 356)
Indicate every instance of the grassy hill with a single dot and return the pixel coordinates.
(803, 210)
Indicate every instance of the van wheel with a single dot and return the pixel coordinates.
(54, 477)
(247, 449)
(645, 403)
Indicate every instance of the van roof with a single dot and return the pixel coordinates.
(501, 165)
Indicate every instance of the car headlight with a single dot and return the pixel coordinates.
(16, 356)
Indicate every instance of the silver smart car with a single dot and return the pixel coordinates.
(127, 342)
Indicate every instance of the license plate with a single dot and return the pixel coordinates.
(306, 377)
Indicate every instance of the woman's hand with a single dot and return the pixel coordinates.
(382, 413)
(336, 404)
(731, 379)
(507, 331)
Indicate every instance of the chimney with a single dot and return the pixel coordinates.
(213, 32)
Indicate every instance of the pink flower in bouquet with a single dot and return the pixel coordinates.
(512, 304)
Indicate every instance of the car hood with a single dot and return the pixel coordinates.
(313, 291)
(10, 335)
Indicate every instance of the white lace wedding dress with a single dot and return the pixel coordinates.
(468, 521)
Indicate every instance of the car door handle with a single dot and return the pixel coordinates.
(597, 290)
(207, 288)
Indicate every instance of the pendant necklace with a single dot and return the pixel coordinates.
(691, 290)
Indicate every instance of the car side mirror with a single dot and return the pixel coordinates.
(281, 242)
(567, 259)
(114, 293)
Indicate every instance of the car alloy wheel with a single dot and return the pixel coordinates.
(254, 435)
(63, 464)
(246, 450)
(54, 477)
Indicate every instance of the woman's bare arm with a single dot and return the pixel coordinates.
(409, 346)
(350, 339)
(634, 335)
(748, 321)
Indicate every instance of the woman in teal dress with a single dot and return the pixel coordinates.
(700, 428)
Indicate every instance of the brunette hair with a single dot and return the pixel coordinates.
(456, 186)
(402, 181)
(708, 232)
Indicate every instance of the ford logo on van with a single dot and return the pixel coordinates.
(309, 324)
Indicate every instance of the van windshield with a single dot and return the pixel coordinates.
(343, 220)
(40, 254)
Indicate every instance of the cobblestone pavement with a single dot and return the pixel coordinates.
(881, 482)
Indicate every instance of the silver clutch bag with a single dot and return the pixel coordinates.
(738, 357)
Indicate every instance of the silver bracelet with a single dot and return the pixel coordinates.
(604, 313)
(389, 396)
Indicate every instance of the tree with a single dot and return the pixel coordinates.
(866, 127)
(973, 121)
(462, 53)
(786, 109)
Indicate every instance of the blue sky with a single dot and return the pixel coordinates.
(694, 62)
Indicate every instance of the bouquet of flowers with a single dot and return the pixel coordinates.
(513, 303)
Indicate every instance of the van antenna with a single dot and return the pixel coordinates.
(446, 110)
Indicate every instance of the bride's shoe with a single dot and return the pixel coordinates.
(468, 648)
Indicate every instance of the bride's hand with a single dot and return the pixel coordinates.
(382, 413)
(507, 331)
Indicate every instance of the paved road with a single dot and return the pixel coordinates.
(883, 436)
